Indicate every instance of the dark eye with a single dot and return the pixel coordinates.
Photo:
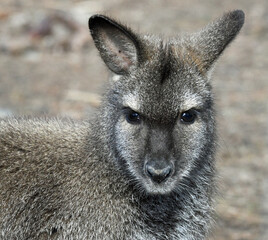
(188, 116)
(132, 117)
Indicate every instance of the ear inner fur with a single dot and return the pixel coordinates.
(118, 46)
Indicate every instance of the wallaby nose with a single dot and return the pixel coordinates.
(158, 173)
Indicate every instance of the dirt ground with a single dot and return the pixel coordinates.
(49, 66)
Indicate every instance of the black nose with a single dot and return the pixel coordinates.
(158, 173)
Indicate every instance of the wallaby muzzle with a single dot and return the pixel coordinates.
(158, 171)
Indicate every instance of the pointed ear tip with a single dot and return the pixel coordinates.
(92, 19)
(95, 18)
(238, 16)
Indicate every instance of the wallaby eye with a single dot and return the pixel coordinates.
(188, 116)
(132, 117)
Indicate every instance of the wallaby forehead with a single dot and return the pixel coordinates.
(160, 103)
(180, 92)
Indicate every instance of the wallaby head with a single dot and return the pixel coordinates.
(159, 115)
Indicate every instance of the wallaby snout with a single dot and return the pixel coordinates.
(158, 171)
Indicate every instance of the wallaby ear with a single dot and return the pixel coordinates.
(210, 42)
(118, 46)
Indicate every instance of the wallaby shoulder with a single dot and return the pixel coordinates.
(26, 134)
(38, 162)
(52, 184)
(31, 146)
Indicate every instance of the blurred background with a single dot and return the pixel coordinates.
(49, 66)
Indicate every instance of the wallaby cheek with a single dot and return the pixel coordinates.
(189, 140)
(130, 142)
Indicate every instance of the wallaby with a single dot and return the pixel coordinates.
(144, 167)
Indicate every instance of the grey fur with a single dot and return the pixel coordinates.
(69, 180)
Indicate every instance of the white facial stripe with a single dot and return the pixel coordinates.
(131, 100)
(115, 78)
(191, 100)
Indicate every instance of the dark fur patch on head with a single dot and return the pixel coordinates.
(165, 64)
